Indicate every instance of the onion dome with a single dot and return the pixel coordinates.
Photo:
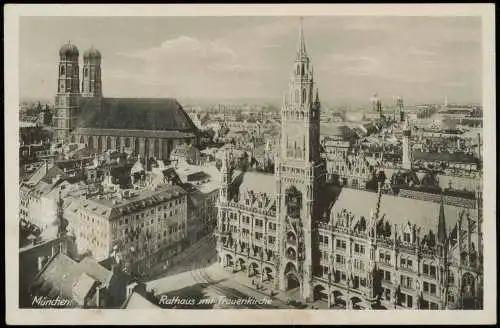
(68, 51)
(92, 53)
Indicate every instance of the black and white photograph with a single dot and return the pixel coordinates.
(304, 162)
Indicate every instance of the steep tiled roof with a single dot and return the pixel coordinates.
(82, 288)
(62, 273)
(397, 210)
(134, 114)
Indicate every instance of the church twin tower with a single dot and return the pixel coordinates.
(68, 86)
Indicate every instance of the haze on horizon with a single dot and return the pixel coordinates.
(421, 59)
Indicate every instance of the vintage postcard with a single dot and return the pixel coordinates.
(250, 164)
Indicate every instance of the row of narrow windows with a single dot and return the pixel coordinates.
(85, 71)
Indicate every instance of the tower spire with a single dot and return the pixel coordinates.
(441, 235)
(301, 48)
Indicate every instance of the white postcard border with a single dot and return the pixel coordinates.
(73, 316)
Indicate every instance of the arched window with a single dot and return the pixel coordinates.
(62, 70)
(127, 142)
(136, 147)
(302, 70)
(118, 143)
(108, 143)
(304, 95)
(156, 148)
(296, 95)
(86, 72)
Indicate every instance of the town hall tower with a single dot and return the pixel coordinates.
(300, 173)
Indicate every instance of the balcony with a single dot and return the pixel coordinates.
(258, 228)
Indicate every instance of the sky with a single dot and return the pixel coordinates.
(421, 59)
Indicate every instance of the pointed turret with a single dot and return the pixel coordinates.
(301, 46)
(441, 233)
(226, 177)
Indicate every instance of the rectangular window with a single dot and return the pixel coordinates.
(387, 275)
(426, 269)
(433, 289)
(433, 271)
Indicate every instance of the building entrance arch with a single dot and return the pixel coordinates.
(320, 293)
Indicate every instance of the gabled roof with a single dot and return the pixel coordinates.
(82, 288)
(53, 172)
(62, 273)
